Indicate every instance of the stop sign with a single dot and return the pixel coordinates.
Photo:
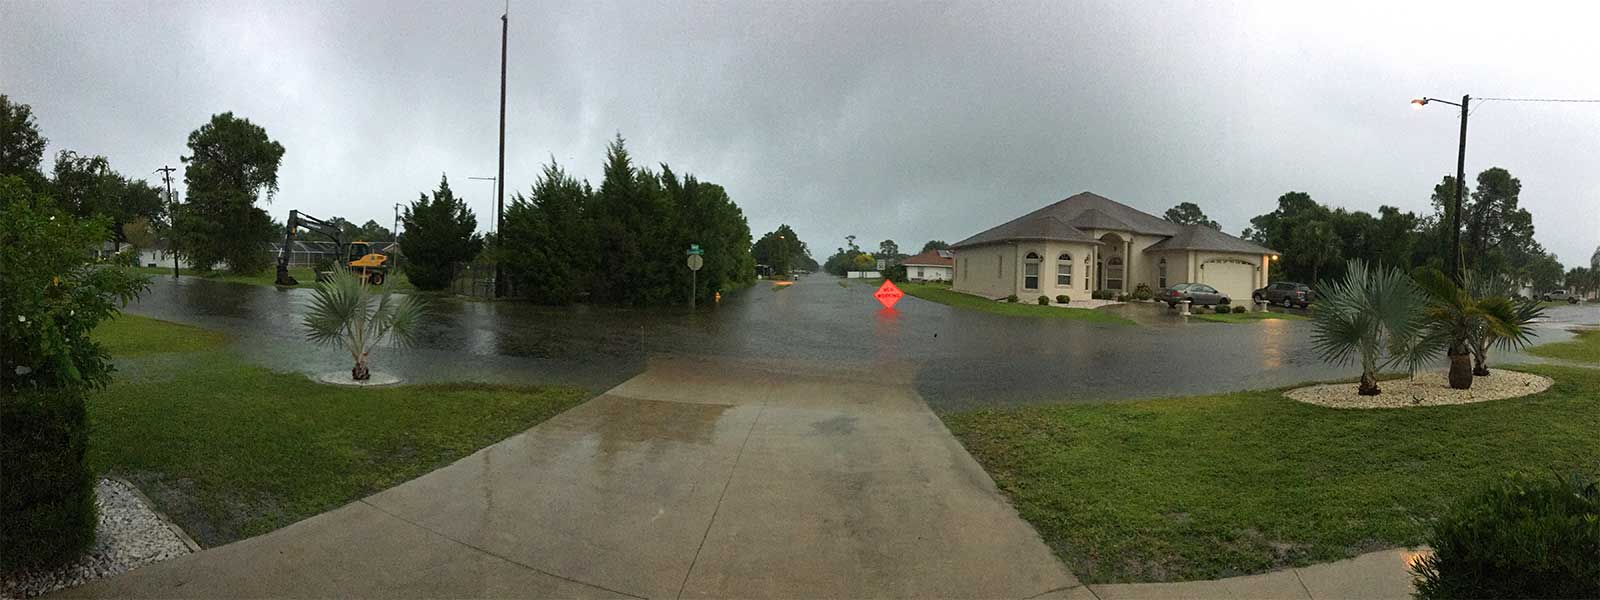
(888, 294)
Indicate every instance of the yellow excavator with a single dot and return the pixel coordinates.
(358, 256)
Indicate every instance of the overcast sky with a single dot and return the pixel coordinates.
(894, 120)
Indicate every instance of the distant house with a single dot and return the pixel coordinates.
(1088, 242)
(159, 256)
(933, 265)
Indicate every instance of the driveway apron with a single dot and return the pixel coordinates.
(696, 478)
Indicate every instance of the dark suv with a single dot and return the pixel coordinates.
(1285, 293)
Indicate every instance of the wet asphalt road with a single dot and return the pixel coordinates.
(958, 359)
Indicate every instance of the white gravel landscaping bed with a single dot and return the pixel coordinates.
(131, 535)
(1426, 389)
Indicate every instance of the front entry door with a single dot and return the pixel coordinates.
(1099, 275)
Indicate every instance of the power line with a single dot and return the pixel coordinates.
(1582, 100)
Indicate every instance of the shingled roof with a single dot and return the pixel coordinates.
(1200, 237)
(1067, 219)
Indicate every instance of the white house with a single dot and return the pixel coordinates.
(1088, 242)
(933, 265)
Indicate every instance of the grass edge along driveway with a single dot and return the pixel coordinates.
(230, 450)
(1204, 487)
(1583, 347)
(1246, 317)
(944, 295)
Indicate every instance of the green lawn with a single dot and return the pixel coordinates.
(944, 295)
(1248, 316)
(230, 450)
(1583, 348)
(268, 277)
(1214, 486)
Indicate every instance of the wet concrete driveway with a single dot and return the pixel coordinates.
(697, 478)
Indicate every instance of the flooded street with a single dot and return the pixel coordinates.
(958, 359)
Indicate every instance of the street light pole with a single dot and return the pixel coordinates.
(499, 184)
(1461, 183)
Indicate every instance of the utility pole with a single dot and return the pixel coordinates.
(1461, 190)
(172, 218)
(499, 182)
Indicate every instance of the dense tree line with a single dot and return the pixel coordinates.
(783, 251)
(624, 242)
(1497, 235)
(232, 166)
(440, 231)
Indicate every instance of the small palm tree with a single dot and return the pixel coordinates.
(1374, 314)
(1495, 290)
(1460, 322)
(347, 311)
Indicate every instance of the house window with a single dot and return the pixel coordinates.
(1064, 270)
(1114, 273)
(1030, 272)
(1162, 267)
(920, 274)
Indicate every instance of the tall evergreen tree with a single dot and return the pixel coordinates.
(439, 232)
(1189, 213)
(546, 245)
(232, 165)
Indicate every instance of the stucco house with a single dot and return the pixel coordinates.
(1089, 242)
(933, 265)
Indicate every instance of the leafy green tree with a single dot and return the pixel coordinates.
(708, 216)
(1313, 245)
(21, 145)
(864, 262)
(232, 165)
(86, 187)
(782, 250)
(439, 232)
(372, 231)
(1498, 234)
(839, 263)
(1189, 213)
(935, 245)
(888, 250)
(1544, 273)
(52, 296)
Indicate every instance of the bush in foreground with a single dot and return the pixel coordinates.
(1011, 298)
(1519, 538)
(1239, 310)
(51, 297)
(1063, 299)
(1044, 301)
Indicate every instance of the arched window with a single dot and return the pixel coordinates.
(1064, 269)
(1030, 271)
(1114, 273)
(1162, 267)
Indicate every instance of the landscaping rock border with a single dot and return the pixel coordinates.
(1426, 389)
(375, 379)
(131, 534)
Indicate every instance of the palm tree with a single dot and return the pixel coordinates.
(1461, 322)
(347, 311)
(1494, 291)
(1373, 313)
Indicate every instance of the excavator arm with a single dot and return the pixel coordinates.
(297, 221)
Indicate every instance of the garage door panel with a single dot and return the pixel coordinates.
(1234, 280)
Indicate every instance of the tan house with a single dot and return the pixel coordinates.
(1089, 242)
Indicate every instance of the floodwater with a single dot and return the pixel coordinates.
(959, 359)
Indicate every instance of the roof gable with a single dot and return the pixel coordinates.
(1086, 210)
(1200, 237)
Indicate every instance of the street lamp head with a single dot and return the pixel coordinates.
(1418, 103)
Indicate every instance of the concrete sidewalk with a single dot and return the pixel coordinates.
(1374, 576)
(689, 480)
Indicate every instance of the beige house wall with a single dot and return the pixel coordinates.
(989, 270)
(997, 270)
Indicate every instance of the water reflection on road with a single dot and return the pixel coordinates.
(960, 359)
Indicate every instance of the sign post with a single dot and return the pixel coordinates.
(695, 262)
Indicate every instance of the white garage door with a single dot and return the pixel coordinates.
(1234, 279)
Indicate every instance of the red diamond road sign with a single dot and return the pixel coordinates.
(888, 294)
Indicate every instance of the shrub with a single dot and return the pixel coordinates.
(1239, 310)
(1123, 297)
(324, 264)
(1063, 299)
(1011, 298)
(1518, 538)
(1197, 309)
(1142, 292)
(1044, 301)
(51, 298)
(1101, 294)
(47, 512)
(896, 273)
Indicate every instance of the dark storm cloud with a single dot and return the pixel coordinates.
(907, 121)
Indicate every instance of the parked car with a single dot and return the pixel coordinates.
(1286, 294)
(1198, 294)
(1559, 296)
